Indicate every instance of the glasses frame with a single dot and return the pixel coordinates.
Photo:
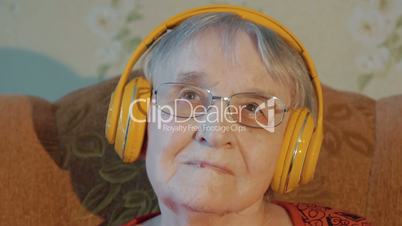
(226, 99)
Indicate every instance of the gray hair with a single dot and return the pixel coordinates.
(283, 63)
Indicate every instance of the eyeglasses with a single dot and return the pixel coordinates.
(250, 109)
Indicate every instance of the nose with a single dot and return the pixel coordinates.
(214, 129)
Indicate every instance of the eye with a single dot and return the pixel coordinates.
(189, 95)
(251, 107)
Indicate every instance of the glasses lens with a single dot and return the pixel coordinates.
(257, 111)
(182, 100)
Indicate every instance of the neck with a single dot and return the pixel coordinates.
(173, 214)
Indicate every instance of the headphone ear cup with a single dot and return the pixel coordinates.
(132, 122)
(280, 165)
(300, 150)
(110, 127)
(312, 155)
(293, 152)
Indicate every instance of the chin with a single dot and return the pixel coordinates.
(217, 206)
(208, 205)
(205, 201)
(202, 191)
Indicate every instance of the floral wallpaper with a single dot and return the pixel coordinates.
(356, 45)
(377, 25)
(110, 22)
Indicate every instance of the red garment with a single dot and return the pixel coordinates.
(302, 214)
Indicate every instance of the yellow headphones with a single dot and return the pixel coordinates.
(302, 141)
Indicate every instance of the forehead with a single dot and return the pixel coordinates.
(205, 62)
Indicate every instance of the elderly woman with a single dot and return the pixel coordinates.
(224, 89)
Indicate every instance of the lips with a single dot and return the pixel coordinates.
(204, 164)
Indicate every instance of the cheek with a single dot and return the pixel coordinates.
(263, 152)
(162, 149)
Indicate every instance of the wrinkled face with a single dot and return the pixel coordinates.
(238, 166)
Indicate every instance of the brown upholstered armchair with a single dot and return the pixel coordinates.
(56, 167)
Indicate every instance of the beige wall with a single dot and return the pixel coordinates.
(344, 37)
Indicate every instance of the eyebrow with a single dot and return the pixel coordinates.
(261, 92)
(194, 77)
(198, 78)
